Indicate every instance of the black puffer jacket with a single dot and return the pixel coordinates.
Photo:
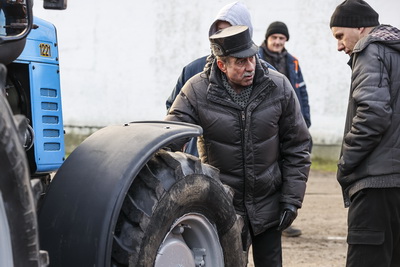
(371, 145)
(261, 151)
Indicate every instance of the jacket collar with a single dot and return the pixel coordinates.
(386, 34)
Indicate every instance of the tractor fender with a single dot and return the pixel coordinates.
(81, 206)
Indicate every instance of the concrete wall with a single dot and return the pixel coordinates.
(121, 59)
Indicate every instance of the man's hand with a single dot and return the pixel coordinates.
(289, 213)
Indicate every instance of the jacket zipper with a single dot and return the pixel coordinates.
(243, 132)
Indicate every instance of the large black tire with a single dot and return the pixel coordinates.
(18, 230)
(177, 207)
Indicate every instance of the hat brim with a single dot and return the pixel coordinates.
(249, 52)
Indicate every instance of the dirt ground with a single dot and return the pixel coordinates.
(322, 220)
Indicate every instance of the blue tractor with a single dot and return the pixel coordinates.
(33, 89)
(120, 198)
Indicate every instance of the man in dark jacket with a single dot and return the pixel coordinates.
(254, 133)
(274, 52)
(369, 165)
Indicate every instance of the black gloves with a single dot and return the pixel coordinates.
(289, 213)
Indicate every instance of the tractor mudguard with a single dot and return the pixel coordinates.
(94, 181)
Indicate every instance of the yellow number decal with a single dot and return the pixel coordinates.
(45, 50)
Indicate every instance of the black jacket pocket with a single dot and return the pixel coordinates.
(365, 237)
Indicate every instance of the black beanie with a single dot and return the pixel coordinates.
(354, 14)
(277, 27)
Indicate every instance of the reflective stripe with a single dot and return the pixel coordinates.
(296, 65)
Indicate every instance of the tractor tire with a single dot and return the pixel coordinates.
(19, 245)
(177, 213)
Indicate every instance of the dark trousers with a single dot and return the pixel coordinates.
(374, 228)
(267, 248)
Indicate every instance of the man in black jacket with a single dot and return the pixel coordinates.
(254, 133)
(274, 52)
(369, 166)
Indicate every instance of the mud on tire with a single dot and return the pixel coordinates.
(171, 187)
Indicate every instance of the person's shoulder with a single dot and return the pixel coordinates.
(366, 52)
(279, 79)
(292, 57)
(196, 86)
(267, 65)
(197, 63)
(274, 74)
(197, 81)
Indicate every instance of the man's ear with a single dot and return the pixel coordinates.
(362, 31)
(221, 65)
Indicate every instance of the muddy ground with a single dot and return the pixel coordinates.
(322, 220)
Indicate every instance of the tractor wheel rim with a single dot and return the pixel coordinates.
(192, 241)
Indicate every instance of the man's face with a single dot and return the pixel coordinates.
(347, 38)
(239, 71)
(222, 25)
(276, 42)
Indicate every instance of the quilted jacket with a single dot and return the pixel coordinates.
(370, 156)
(261, 150)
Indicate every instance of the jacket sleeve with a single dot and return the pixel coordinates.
(182, 110)
(179, 84)
(303, 97)
(188, 72)
(372, 112)
(295, 141)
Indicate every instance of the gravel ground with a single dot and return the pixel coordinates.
(322, 220)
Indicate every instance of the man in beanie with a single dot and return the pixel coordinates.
(274, 52)
(369, 165)
(254, 133)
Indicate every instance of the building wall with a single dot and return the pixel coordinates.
(121, 59)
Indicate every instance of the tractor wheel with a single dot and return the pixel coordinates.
(177, 213)
(6, 255)
(19, 245)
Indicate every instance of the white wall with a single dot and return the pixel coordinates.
(121, 59)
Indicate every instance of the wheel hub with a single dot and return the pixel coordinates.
(192, 241)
